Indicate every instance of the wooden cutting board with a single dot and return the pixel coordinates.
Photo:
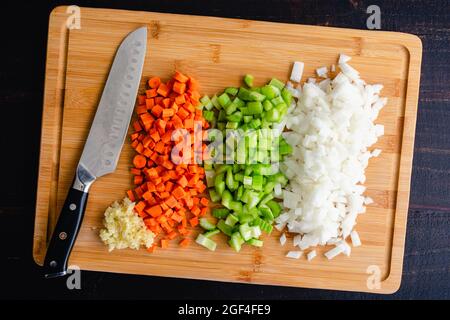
(218, 52)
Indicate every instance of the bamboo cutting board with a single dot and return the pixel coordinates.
(218, 52)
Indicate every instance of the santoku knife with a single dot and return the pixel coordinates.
(102, 149)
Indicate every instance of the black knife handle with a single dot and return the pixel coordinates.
(65, 234)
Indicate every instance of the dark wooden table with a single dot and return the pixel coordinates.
(427, 255)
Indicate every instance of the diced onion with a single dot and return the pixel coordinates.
(356, 241)
(334, 252)
(332, 128)
(311, 255)
(283, 239)
(297, 71)
(294, 254)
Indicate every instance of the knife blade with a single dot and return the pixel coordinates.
(102, 148)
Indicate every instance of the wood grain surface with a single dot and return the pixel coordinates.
(218, 52)
(426, 270)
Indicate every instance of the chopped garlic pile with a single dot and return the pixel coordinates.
(332, 128)
(124, 228)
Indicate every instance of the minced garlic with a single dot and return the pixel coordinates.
(124, 228)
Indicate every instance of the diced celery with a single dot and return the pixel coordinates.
(225, 228)
(211, 233)
(220, 212)
(226, 198)
(273, 115)
(236, 241)
(208, 115)
(255, 242)
(256, 96)
(287, 96)
(255, 123)
(253, 200)
(232, 125)
(270, 91)
(276, 101)
(236, 206)
(224, 100)
(245, 231)
(222, 116)
(244, 94)
(276, 83)
(219, 184)
(214, 195)
(240, 103)
(232, 91)
(229, 180)
(266, 198)
(255, 231)
(248, 79)
(206, 242)
(266, 212)
(274, 207)
(231, 220)
(268, 187)
(247, 182)
(215, 102)
(239, 177)
(257, 182)
(267, 105)
(235, 117)
(206, 224)
(239, 193)
(230, 108)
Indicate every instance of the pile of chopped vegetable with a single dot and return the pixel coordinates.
(332, 128)
(168, 195)
(246, 183)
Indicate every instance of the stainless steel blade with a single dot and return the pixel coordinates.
(109, 128)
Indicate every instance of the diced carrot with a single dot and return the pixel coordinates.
(166, 191)
(179, 87)
(193, 221)
(157, 110)
(172, 235)
(141, 99)
(154, 211)
(130, 195)
(138, 179)
(180, 77)
(151, 249)
(139, 161)
(182, 181)
(164, 243)
(204, 211)
(171, 202)
(163, 90)
(195, 210)
(185, 242)
(168, 112)
(193, 84)
(154, 82)
(204, 202)
(149, 103)
(151, 93)
(178, 192)
(179, 100)
(137, 126)
(139, 206)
